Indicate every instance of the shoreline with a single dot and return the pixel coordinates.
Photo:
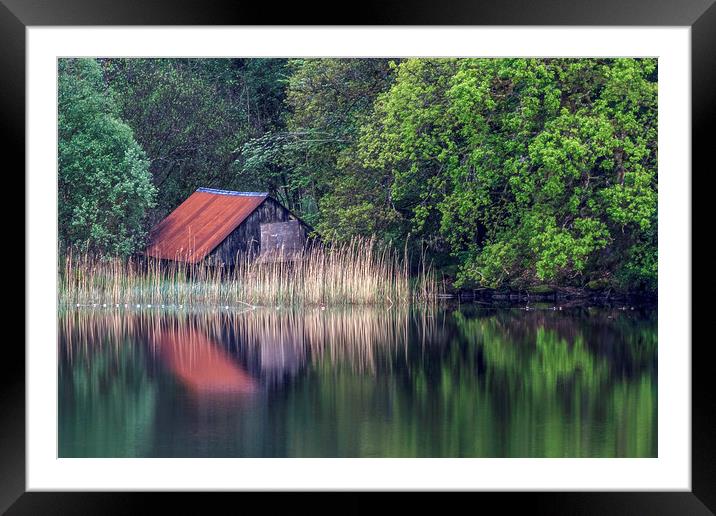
(571, 296)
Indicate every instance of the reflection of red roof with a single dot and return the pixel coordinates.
(201, 365)
(201, 223)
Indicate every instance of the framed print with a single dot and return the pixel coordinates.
(440, 250)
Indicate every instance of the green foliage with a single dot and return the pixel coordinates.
(504, 172)
(528, 170)
(193, 115)
(311, 162)
(104, 187)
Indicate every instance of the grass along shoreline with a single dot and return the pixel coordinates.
(357, 272)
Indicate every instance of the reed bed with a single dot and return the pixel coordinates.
(359, 272)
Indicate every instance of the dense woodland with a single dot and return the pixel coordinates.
(505, 173)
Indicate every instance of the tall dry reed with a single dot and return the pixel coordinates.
(357, 272)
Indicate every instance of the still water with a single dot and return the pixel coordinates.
(468, 381)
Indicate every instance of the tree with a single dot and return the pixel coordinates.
(104, 186)
(507, 172)
(192, 116)
(311, 163)
(526, 170)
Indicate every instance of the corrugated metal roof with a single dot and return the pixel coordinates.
(201, 223)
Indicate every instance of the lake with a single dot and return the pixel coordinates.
(457, 381)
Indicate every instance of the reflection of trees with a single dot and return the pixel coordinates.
(512, 385)
(106, 403)
(371, 382)
(542, 360)
(272, 345)
(559, 385)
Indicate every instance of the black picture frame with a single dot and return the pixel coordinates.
(700, 15)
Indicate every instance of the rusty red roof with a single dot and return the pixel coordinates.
(201, 223)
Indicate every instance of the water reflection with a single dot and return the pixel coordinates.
(200, 364)
(466, 382)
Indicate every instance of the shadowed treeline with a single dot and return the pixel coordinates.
(356, 382)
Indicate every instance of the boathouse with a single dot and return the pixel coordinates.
(222, 226)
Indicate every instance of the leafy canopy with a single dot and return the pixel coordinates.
(104, 186)
(529, 170)
(506, 172)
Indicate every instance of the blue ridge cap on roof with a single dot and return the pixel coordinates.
(230, 192)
